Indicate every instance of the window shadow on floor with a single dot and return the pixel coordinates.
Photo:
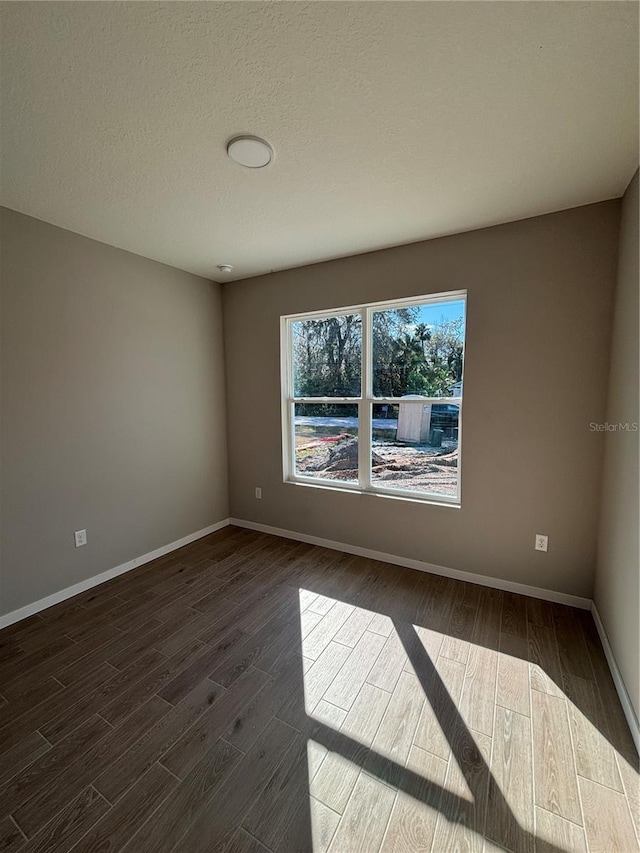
(560, 644)
(468, 817)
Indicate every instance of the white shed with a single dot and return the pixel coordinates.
(414, 420)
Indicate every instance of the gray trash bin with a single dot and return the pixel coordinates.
(436, 437)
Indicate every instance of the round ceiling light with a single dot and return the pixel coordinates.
(250, 151)
(225, 268)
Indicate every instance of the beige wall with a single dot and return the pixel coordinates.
(539, 311)
(112, 373)
(618, 570)
(112, 407)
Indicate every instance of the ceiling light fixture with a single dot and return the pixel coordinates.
(250, 151)
(225, 268)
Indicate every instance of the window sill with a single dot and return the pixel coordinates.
(429, 500)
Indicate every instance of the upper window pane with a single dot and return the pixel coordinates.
(326, 356)
(418, 350)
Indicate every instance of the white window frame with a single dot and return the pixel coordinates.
(365, 401)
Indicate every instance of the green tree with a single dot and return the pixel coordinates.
(408, 357)
(327, 356)
(413, 358)
(388, 330)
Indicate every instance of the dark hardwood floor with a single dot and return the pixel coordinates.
(248, 693)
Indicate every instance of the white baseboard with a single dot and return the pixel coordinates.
(96, 580)
(625, 699)
(469, 577)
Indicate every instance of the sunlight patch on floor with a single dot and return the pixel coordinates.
(380, 703)
(419, 731)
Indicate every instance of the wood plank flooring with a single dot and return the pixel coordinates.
(257, 695)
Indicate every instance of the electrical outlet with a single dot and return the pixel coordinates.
(80, 537)
(258, 493)
(542, 542)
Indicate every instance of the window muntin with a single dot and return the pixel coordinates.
(380, 384)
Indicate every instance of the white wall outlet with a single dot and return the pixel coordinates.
(80, 537)
(542, 542)
(258, 493)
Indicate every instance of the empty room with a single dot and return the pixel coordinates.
(319, 427)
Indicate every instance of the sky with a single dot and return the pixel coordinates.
(432, 315)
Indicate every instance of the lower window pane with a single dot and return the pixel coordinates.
(415, 447)
(326, 441)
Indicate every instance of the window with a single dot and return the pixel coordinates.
(372, 397)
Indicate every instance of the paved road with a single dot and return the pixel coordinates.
(378, 423)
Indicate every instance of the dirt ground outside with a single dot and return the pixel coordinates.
(395, 465)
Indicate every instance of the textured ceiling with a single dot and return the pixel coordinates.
(391, 121)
